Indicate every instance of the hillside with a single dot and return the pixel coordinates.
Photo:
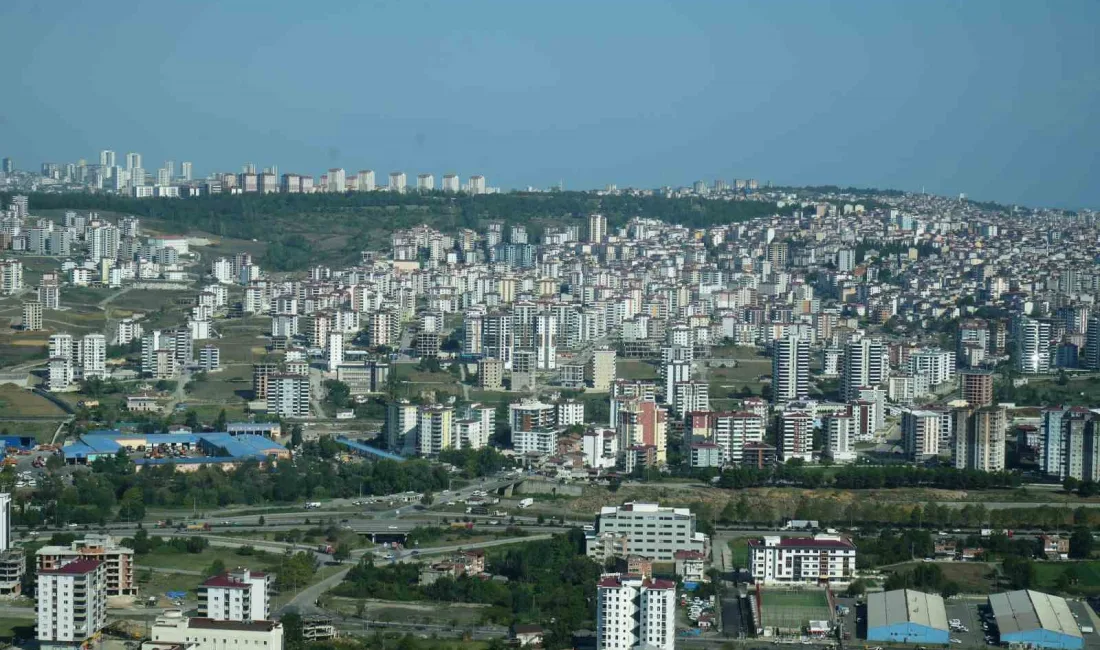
(303, 228)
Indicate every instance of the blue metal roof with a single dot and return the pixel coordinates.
(367, 449)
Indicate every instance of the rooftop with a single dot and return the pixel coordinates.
(76, 567)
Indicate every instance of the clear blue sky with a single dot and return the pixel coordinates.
(996, 99)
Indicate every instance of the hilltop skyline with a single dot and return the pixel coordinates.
(644, 96)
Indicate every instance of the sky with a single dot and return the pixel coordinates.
(995, 99)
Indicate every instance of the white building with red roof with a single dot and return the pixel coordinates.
(821, 559)
(632, 612)
(240, 595)
(72, 603)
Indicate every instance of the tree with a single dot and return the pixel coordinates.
(292, 630)
(1080, 543)
(1070, 484)
(296, 436)
(132, 506)
(856, 588)
(216, 568)
(191, 421)
(339, 394)
(219, 423)
(261, 521)
(342, 553)
(427, 499)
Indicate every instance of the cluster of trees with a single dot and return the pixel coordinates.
(550, 582)
(144, 544)
(923, 577)
(476, 462)
(114, 489)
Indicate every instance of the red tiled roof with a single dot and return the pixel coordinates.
(688, 555)
(660, 584)
(76, 567)
(211, 624)
(226, 581)
(609, 583)
(806, 542)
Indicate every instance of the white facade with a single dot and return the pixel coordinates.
(240, 595)
(207, 634)
(654, 532)
(864, 364)
(72, 602)
(334, 351)
(938, 365)
(93, 355)
(732, 431)
(635, 612)
(840, 438)
(5, 521)
(802, 560)
(790, 369)
(288, 396)
(920, 433)
(796, 436)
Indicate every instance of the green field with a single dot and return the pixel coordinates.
(728, 383)
(739, 552)
(259, 560)
(790, 610)
(633, 369)
(13, 628)
(146, 300)
(1085, 576)
(18, 347)
(18, 402)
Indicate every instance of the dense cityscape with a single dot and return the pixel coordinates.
(826, 416)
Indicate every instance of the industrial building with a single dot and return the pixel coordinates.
(907, 616)
(187, 451)
(1031, 618)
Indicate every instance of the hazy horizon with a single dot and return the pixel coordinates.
(995, 100)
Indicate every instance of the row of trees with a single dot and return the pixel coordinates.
(862, 477)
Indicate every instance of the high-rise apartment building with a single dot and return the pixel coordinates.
(1091, 353)
(976, 387)
(425, 182)
(240, 595)
(920, 434)
(731, 432)
(117, 561)
(600, 370)
(11, 277)
(796, 436)
(1033, 346)
(790, 369)
(477, 184)
(337, 180)
(840, 437)
(106, 158)
(402, 423)
(397, 182)
(93, 355)
(451, 183)
(635, 612)
(597, 228)
(185, 171)
(288, 395)
(435, 429)
(72, 604)
(980, 439)
(366, 180)
(32, 316)
(864, 364)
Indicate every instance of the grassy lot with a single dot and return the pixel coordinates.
(1086, 576)
(973, 577)
(71, 295)
(13, 628)
(230, 385)
(388, 610)
(76, 320)
(739, 552)
(259, 560)
(727, 383)
(20, 347)
(42, 430)
(244, 340)
(146, 300)
(18, 402)
(1083, 391)
(634, 369)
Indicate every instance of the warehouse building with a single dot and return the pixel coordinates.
(906, 616)
(1038, 620)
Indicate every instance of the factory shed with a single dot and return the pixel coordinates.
(906, 616)
(1035, 619)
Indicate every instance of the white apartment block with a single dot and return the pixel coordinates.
(920, 433)
(240, 595)
(93, 355)
(796, 436)
(938, 365)
(288, 395)
(173, 630)
(635, 612)
(840, 438)
(72, 603)
(651, 531)
(822, 559)
(732, 431)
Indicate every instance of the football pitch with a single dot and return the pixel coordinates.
(791, 610)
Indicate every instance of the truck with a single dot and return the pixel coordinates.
(526, 503)
(464, 525)
(310, 505)
(325, 548)
(196, 527)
